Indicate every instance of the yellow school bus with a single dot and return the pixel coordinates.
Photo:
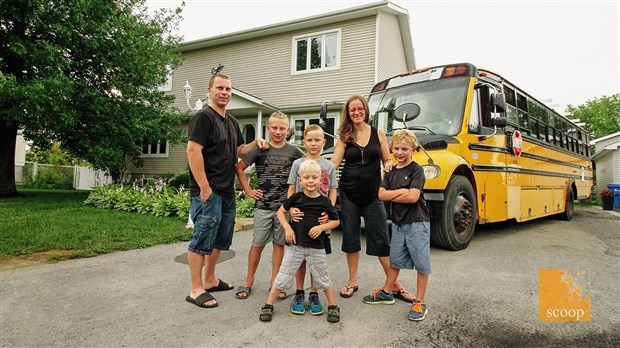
(490, 151)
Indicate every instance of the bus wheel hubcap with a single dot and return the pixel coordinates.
(463, 214)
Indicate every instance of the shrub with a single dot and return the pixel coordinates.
(48, 177)
(180, 180)
(154, 198)
(245, 207)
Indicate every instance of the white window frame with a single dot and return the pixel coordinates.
(322, 34)
(155, 155)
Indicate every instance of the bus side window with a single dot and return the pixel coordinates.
(485, 103)
(474, 117)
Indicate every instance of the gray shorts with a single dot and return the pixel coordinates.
(267, 228)
(316, 262)
(410, 247)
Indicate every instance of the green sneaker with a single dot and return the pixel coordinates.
(266, 313)
(418, 311)
(333, 314)
(379, 296)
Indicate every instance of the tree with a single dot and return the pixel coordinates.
(85, 74)
(601, 115)
(54, 155)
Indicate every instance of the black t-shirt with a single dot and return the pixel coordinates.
(220, 138)
(361, 174)
(411, 176)
(273, 166)
(312, 209)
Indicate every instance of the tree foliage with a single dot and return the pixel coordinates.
(85, 74)
(54, 155)
(601, 115)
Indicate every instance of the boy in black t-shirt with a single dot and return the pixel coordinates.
(304, 242)
(272, 168)
(410, 244)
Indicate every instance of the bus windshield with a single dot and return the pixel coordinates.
(441, 102)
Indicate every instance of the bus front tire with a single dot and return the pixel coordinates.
(453, 222)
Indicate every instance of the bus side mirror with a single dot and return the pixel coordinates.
(500, 122)
(499, 102)
(290, 136)
(323, 116)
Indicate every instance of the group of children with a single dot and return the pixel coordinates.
(295, 202)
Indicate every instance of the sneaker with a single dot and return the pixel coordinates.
(333, 314)
(316, 308)
(298, 306)
(379, 296)
(266, 313)
(418, 311)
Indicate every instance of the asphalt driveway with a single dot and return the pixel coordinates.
(486, 295)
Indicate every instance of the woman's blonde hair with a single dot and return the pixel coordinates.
(346, 125)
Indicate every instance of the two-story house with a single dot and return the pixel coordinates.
(293, 67)
(607, 160)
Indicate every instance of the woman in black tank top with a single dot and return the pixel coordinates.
(363, 148)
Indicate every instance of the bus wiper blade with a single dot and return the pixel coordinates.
(424, 128)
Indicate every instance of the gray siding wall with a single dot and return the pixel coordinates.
(262, 67)
(604, 171)
(390, 52)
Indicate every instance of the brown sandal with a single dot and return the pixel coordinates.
(348, 288)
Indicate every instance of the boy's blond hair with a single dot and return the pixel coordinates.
(309, 166)
(278, 115)
(313, 128)
(406, 136)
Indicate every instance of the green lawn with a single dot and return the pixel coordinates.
(40, 220)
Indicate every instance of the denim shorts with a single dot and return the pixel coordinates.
(316, 261)
(214, 223)
(411, 246)
(267, 228)
(375, 222)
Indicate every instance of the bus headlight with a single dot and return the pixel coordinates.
(431, 172)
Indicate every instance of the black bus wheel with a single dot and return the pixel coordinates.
(453, 224)
(569, 205)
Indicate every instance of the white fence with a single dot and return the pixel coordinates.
(84, 178)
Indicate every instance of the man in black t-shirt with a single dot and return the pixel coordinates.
(215, 141)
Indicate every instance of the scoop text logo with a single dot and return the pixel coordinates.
(561, 297)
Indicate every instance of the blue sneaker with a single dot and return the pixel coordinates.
(316, 308)
(418, 311)
(379, 296)
(298, 306)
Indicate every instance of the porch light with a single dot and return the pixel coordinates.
(187, 92)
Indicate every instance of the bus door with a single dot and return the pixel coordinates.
(488, 154)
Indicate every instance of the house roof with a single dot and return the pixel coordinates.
(313, 21)
(247, 104)
(609, 136)
(611, 147)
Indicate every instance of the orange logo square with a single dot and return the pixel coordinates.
(561, 298)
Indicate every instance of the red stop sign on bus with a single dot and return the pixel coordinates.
(517, 143)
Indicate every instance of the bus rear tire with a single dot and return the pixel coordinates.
(569, 205)
(453, 222)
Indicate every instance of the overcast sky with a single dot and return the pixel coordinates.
(567, 51)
